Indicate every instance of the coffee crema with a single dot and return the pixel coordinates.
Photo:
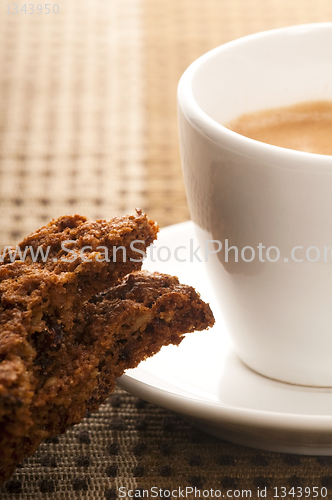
(304, 127)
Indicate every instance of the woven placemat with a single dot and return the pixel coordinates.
(130, 446)
(88, 125)
(72, 121)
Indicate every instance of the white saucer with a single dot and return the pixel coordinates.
(204, 379)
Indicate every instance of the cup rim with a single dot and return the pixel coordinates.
(218, 133)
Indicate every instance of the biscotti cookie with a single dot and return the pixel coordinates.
(68, 329)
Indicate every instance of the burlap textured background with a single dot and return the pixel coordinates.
(88, 125)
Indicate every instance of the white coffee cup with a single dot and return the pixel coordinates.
(276, 201)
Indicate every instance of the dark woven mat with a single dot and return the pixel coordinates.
(131, 445)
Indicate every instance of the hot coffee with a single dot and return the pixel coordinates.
(303, 127)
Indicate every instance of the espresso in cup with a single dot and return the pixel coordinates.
(304, 127)
(248, 195)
